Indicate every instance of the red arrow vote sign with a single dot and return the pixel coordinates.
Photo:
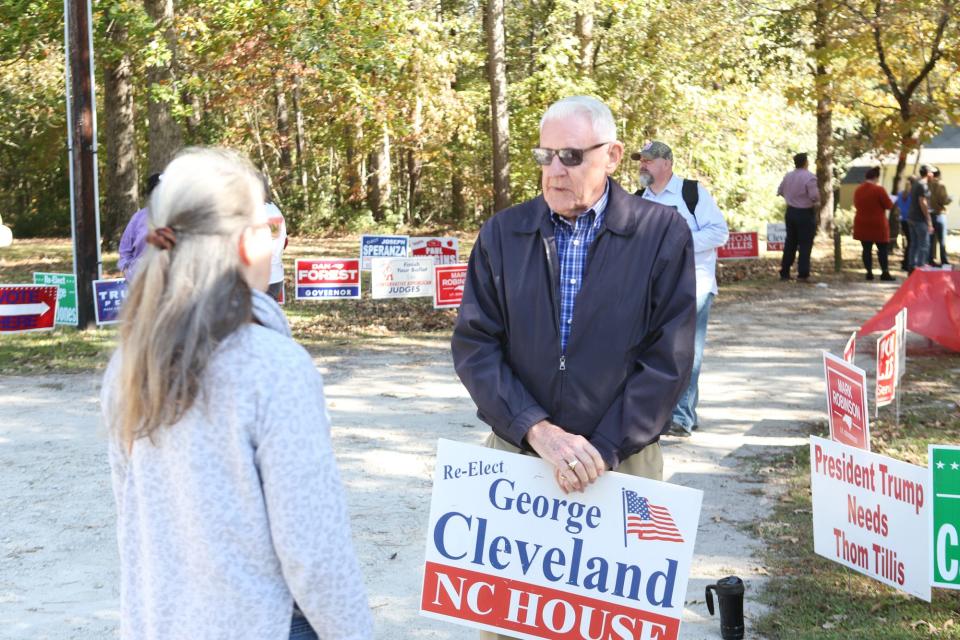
(25, 307)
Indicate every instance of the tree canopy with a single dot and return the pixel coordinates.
(379, 113)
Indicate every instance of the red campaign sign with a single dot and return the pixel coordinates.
(442, 250)
(534, 610)
(327, 278)
(448, 290)
(25, 308)
(847, 402)
(850, 351)
(741, 245)
(887, 367)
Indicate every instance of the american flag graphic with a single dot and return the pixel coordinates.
(648, 521)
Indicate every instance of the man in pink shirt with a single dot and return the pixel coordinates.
(799, 189)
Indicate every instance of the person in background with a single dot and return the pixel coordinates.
(134, 239)
(709, 229)
(799, 189)
(921, 224)
(231, 518)
(938, 213)
(278, 231)
(870, 222)
(903, 206)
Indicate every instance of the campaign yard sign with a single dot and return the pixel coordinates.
(944, 468)
(846, 387)
(442, 250)
(508, 552)
(776, 236)
(327, 278)
(67, 298)
(26, 307)
(850, 350)
(449, 280)
(382, 247)
(901, 324)
(401, 278)
(870, 513)
(741, 245)
(887, 367)
(108, 297)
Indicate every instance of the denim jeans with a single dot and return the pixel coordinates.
(300, 629)
(919, 244)
(685, 413)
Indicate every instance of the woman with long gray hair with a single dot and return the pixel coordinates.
(231, 519)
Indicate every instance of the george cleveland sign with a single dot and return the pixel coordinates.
(507, 551)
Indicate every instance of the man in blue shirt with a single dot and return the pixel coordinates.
(709, 231)
(575, 334)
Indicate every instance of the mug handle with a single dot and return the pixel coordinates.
(709, 597)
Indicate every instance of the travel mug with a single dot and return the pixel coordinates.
(730, 598)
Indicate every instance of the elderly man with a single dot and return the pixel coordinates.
(575, 335)
(709, 229)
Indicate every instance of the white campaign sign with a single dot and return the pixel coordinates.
(870, 513)
(401, 277)
(507, 551)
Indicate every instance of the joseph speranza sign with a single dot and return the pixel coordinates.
(870, 513)
(507, 551)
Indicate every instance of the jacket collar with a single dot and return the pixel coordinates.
(619, 216)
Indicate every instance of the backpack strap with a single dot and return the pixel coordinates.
(691, 195)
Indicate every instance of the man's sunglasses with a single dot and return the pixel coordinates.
(568, 157)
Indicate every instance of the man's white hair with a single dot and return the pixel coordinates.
(601, 119)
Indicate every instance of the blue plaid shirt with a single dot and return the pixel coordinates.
(573, 243)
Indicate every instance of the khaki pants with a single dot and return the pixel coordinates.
(646, 463)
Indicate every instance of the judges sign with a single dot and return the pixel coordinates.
(401, 278)
(507, 551)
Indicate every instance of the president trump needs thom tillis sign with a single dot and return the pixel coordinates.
(507, 551)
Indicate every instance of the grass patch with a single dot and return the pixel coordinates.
(811, 597)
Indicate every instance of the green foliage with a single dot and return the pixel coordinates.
(729, 85)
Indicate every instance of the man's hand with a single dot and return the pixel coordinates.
(576, 462)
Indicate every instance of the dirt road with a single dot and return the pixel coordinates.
(761, 381)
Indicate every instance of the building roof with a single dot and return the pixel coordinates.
(856, 175)
(949, 138)
(944, 148)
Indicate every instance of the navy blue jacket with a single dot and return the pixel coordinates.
(630, 350)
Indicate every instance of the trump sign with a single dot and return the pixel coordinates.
(508, 552)
(327, 278)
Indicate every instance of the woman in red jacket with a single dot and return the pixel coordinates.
(870, 223)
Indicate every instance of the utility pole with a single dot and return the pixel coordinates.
(82, 146)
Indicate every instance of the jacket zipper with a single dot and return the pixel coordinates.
(563, 363)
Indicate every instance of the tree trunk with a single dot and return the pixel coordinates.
(120, 136)
(354, 168)
(823, 87)
(414, 164)
(585, 36)
(499, 116)
(378, 178)
(301, 144)
(163, 135)
(283, 128)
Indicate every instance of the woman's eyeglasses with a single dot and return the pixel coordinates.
(568, 157)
